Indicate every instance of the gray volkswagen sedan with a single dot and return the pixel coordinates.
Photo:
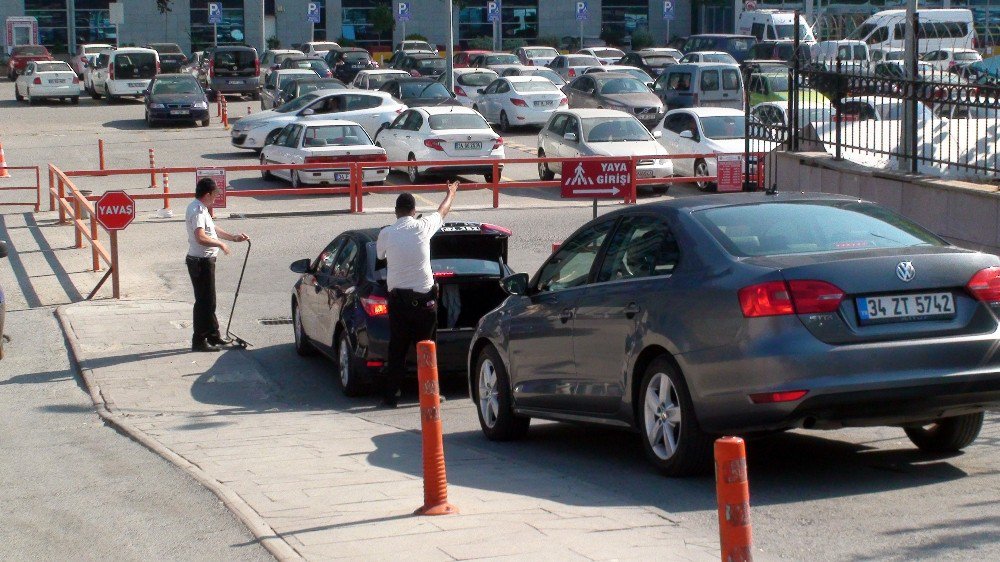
(742, 313)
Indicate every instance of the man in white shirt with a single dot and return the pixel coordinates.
(406, 247)
(203, 247)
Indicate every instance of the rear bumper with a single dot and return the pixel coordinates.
(451, 170)
(127, 87)
(235, 85)
(533, 116)
(68, 91)
(452, 350)
(340, 176)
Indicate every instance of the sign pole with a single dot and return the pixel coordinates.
(581, 34)
(215, 35)
(595, 208)
(115, 284)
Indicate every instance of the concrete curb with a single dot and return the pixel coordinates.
(267, 537)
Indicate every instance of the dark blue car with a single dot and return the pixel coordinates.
(176, 98)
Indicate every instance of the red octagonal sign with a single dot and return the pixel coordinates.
(115, 210)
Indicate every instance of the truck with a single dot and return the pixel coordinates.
(19, 30)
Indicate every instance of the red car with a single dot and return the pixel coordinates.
(462, 58)
(21, 56)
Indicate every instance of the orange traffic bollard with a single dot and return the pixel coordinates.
(152, 164)
(100, 152)
(3, 164)
(225, 113)
(248, 110)
(218, 105)
(166, 190)
(733, 490)
(435, 477)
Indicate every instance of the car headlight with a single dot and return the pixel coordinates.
(156, 106)
(200, 105)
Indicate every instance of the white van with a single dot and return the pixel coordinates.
(939, 29)
(123, 72)
(845, 50)
(769, 25)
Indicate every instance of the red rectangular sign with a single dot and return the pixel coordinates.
(729, 170)
(220, 180)
(596, 179)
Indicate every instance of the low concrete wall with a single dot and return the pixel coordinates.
(967, 214)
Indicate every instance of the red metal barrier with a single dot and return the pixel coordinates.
(37, 188)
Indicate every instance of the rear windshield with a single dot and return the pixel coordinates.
(376, 80)
(355, 55)
(240, 59)
(135, 64)
(502, 59)
(53, 67)
(30, 51)
(424, 90)
(176, 86)
(659, 61)
(430, 63)
(582, 60)
(448, 121)
(966, 56)
(335, 135)
(546, 73)
(623, 86)
(94, 50)
(539, 86)
(324, 46)
(307, 87)
(282, 56)
(166, 48)
(802, 227)
(541, 52)
(475, 78)
(608, 53)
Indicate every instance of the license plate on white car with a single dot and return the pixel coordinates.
(544, 103)
(644, 173)
(235, 82)
(905, 308)
(57, 81)
(341, 176)
(474, 145)
(180, 111)
(136, 85)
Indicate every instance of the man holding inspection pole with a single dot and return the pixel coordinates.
(406, 247)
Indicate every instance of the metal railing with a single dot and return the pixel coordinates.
(33, 170)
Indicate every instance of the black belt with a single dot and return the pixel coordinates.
(197, 259)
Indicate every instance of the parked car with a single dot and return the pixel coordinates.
(231, 69)
(85, 53)
(652, 64)
(736, 45)
(305, 85)
(701, 85)
(21, 55)
(600, 132)
(518, 101)
(739, 313)
(346, 62)
(371, 110)
(415, 46)
(607, 55)
(272, 58)
(665, 51)
(426, 134)
(340, 302)
(784, 50)
(123, 73)
(172, 58)
(332, 143)
(317, 49)
(536, 55)
(419, 92)
(844, 49)
(277, 81)
(194, 63)
(176, 97)
(547, 73)
(879, 108)
(951, 59)
(493, 60)
(374, 79)
(571, 66)
(632, 71)
(422, 64)
(47, 80)
(318, 66)
(462, 59)
(773, 117)
(702, 130)
(469, 83)
(708, 56)
(611, 90)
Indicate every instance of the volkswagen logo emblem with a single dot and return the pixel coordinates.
(905, 271)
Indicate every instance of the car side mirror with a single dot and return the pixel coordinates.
(687, 135)
(516, 284)
(300, 266)
(571, 137)
(479, 90)
(657, 134)
(307, 112)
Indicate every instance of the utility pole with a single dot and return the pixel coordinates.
(909, 162)
(449, 49)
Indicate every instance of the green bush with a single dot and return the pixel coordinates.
(613, 35)
(345, 42)
(273, 42)
(547, 42)
(512, 44)
(641, 39)
(481, 43)
(415, 37)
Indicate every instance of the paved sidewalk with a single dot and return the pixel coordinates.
(330, 484)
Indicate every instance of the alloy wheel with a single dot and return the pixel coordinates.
(489, 401)
(662, 416)
(344, 362)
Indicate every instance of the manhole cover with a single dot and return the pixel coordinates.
(275, 321)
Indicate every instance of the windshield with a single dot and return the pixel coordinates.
(777, 82)
(430, 63)
(446, 121)
(307, 87)
(811, 114)
(635, 72)
(541, 52)
(965, 56)
(614, 129)
(416, 45)
(30, 51)
(282, 56)
(423, 90)
(377, 80)
(718, 57)
(658, 61)
(721, 127)
(787, 31)
(176, 86)
(297, 103)
(608, 53)
(324, 46)
(893, 55)
(502, 59)
(623, 86)
(552, 75)
(852, 52)
(535, 86)
(335, 135)
(475, 78)
(166, 48)
(802, 227)
(286, 79)
(582, 61)
(53, 67)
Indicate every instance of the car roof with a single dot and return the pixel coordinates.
(127, 50)
(384, 71)
(610, 75)
(475, 69)
(410, 79)
(717, 200)
(423, 56)
(711, 111)
(287, 71)
(522, 79)
(326, 122)
(692, 66)
(284, 51)
(708, 53)
(590, 112)
(371, 234)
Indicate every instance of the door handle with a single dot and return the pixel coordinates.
(631, 309)
(565, 315)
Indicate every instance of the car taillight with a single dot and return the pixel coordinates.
(111, 71)
(460, 92)
(572, 73)
(157, 67)
(498, 143)
(772, 397)
(444, 274)
(435, 144)
(563, 101)
(76, 80)
(37, 80)
(985, 285)
(519, 102)
(256, 67)
(777, 298)
(375, 305)
(494, 229)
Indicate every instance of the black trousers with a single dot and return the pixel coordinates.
(202, 272)
(412, 318)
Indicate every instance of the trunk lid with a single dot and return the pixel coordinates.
(57, 78)
(470, 143)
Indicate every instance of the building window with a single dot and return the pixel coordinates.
(519, 17)
(231, 31)
(93, 22)
(625, 16)
(357, 23)
(52, 23)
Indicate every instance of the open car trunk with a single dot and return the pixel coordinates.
(462, 302)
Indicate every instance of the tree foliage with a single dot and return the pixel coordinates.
(163, 6)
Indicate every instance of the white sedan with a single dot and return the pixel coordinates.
(600, 132)
(375, 79)
(607, 55)
(334, 143)
(425, 134)
(371, 110)
(43, 79)
(469, 83)
(519, 100)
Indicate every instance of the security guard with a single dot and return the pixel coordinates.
(406, 246)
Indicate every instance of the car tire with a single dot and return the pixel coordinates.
(302, 344)
(946, 435)
(149, 121)
(701, 170)
(31, 100)
(347, 370)
(94, 94)
(17, 94)
(412, 172)
(75, 100)
(671, 437)
(544, 173)
(504, 122)
(265, 174)
(108, 98)
(255, 96)
(492, 396)
(206, 121)
(296, 182)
